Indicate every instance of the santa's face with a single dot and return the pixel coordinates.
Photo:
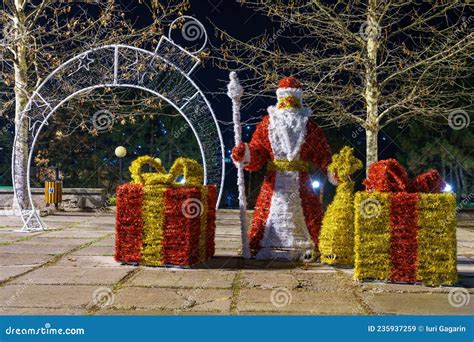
(288, 106)
(289, 102)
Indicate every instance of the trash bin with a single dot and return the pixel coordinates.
(53, 192)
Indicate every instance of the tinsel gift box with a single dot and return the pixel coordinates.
(165, 223)
(405, 237)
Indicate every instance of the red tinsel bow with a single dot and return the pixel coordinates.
(389, 176)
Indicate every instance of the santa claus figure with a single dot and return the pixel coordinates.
(288, 213)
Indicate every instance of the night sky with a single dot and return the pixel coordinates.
(244, 23)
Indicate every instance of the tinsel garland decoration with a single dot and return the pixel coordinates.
(129, 223)
(153, 217)
(210, 220)
(287, 165)
(386, 175)
(405, 237)
(261, 214)
(437, 239)
(162, 222)
(336, 241)
(139, 177)
(372, 235)
(428, 182)
(190, 169)
(182, 234)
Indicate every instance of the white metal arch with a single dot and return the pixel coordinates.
(164, 73)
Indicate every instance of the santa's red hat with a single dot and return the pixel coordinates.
(289, 86)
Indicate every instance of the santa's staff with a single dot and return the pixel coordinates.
(235, 92)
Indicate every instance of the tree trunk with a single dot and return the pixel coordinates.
(371, 86)
(371, 147)
(21, 99)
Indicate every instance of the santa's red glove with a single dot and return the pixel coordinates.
(238, 153)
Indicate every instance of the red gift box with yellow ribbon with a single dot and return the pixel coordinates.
(164, 222)
(405, 231)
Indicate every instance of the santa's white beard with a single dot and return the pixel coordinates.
(287, 130)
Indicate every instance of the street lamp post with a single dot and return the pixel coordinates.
(120, 152)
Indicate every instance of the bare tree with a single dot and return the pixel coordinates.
(39, 35)
(371, 63)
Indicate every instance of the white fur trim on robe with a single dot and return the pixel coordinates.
(286, 235)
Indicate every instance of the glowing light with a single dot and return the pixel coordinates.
(448, 188)
(316, 184)
(120, 151)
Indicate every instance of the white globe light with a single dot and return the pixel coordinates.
(120, 151)
(448, 188)
(315, 184)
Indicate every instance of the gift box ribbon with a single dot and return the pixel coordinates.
(389, 176)
(192, 172)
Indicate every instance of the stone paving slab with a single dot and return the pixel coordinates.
(88, 261)
(22, 248)
(380, 287)
(78, 233)
(279, 300)
(46, 296)
(49, 241)
(416, 304)
(12, 311)
(154, 312)
(174, 300)
(7, 272)
(161, 277)
(23, 259)
(59, 275)
(8, 239)
(107, 242)
(95, 250)
(266, 280)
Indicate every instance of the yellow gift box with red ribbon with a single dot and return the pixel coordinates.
(405, 230)
(162, 221)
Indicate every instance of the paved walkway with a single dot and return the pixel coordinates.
(70, 270)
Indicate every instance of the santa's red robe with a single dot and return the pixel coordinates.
(288, 213)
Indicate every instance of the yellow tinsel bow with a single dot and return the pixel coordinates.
(190, 169)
